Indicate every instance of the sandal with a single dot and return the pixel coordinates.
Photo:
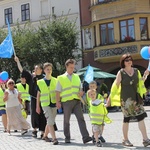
(55, 142)
(24, 131)
(99, 144)
(46, 139)
(127, 143)
(146, 142)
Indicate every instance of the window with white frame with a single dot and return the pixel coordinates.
(8, 15)
(25, 12)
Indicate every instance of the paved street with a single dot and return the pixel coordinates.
(112, 134)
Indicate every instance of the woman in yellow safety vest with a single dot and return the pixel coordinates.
(128, 86)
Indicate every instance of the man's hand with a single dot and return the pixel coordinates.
(80, 94)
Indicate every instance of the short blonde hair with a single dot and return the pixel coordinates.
(91, 91)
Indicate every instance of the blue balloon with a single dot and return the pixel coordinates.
(4, 76)
(145, 52)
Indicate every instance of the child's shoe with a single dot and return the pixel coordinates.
(102, 139)
(99, 144)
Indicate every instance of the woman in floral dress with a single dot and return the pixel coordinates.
(130, 82)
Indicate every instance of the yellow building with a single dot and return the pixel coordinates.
(116, 27)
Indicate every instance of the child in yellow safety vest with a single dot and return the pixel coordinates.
(23, 88)
(93, 85)
(98, 116)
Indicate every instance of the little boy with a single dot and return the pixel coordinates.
(98, 115)
(93, 85)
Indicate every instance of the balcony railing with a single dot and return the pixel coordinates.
(103, 53)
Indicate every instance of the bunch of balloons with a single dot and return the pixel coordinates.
(4, 76)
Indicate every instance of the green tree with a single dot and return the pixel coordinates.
(53, 41)
(103, 89)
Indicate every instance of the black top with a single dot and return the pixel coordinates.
(32, 82)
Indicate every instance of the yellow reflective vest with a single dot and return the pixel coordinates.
(47, 94)
(24, 92)
(70, 89)
(2, 103)
(98, 114)
(115, 91)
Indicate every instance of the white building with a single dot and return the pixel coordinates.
(36, 10)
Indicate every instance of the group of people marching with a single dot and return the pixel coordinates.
(47, 94)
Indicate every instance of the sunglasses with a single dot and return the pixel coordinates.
(11, 83)
(127, 60)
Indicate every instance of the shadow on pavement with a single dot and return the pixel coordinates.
(120, 146)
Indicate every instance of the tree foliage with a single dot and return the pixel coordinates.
(53, 41)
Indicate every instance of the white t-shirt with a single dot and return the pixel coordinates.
(12, 98)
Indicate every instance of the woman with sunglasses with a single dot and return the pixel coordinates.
(128, 83)
(15, 120)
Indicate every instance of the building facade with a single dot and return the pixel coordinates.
(37, 10)
(115, 27)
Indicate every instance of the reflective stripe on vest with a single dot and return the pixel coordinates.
(98, 114)
(47, 94)
(2, 103)
(70, 89)
(24, 92)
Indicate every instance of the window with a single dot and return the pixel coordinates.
(143, 28)
(127, 30)
(25, 12)
(53, 10)
(107, 33)
(44, 8)
(94, 36)
(8, 15)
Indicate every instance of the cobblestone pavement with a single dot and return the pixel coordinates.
(112, 134)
